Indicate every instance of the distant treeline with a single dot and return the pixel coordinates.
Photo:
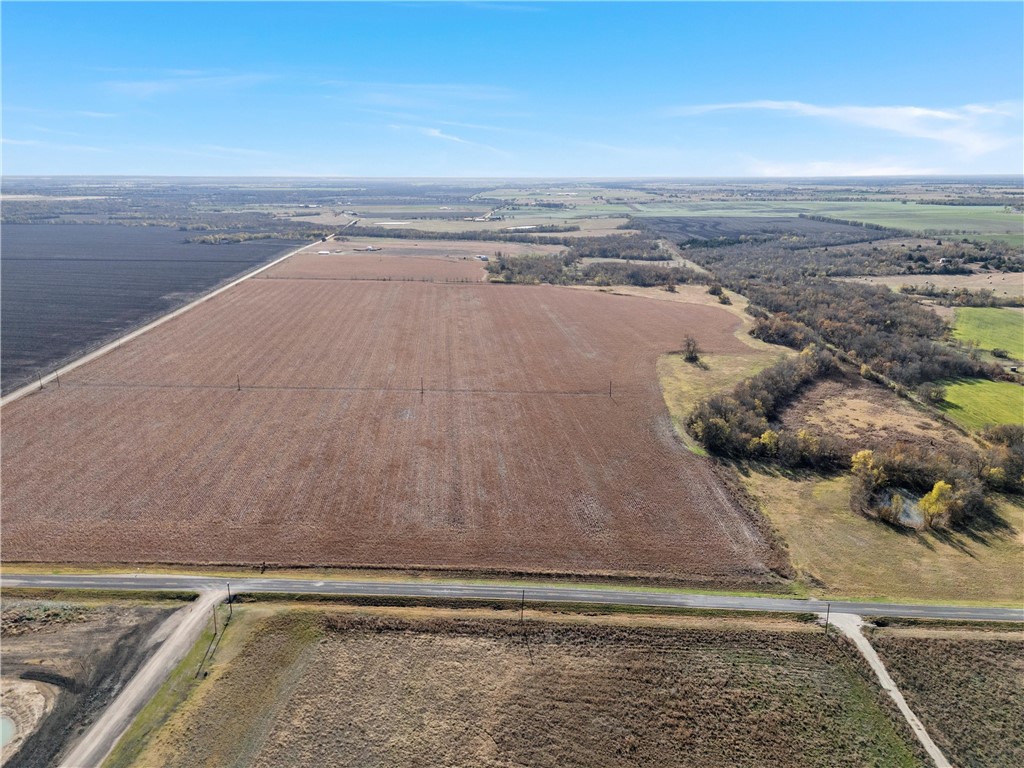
(568, 269)
(795, 306)
(475, 235)
(852, 223)
(243, 237)
(963, 297)
(634, 247)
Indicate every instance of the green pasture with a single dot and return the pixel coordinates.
(979, 403)
(992, 328)
(983, 219)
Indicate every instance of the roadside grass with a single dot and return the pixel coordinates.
(97, 596)
(229, 711)
(172, 694)
(840, 554)
(596, 581)
(513, 605)
(991, 328)
(979, 403)
(966, 690)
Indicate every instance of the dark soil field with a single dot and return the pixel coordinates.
(967, 688)
(63, 663)
(68, 288)
(383, 423)
(323, 689)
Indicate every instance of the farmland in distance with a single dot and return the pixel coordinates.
(67, 288)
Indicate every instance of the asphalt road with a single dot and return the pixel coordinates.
(552, 594)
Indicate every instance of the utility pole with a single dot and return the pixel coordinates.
(828, 611)
(230, 611)
(57, 377)
(214, 609)
(609, 387)
(239, 380)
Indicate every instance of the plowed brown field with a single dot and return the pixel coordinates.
(426, 260)
(512, 456)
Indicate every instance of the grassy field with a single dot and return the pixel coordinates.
(992, 328)
(985, 219)
(967, 687)
(402, 687)
(684, 384)
(841, 554)
(1003, 284)
(978, 403)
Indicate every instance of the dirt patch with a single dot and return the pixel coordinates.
(866, 415)
(389, 691)
(408, 424)
(63, 663)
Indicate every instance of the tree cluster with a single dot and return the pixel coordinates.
(738, 424)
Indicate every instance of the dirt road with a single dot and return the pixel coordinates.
(850, 626)
(176, 636)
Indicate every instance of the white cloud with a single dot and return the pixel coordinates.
(145, 89)
(972, 129)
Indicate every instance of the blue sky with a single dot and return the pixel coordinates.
(512, 89)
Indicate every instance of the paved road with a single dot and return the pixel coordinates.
(555, 594)
(177, 635)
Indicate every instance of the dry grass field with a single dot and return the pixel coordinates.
(512, 456)
(839, 553)
(323, 687)
(1009, 284)
(867, 415)
(966, 686)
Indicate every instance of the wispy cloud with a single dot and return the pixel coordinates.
(183, 81)
(419, 95)
(60, 112)
(972, 129)
(437, 133)
(236, 151)
(50, 145)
